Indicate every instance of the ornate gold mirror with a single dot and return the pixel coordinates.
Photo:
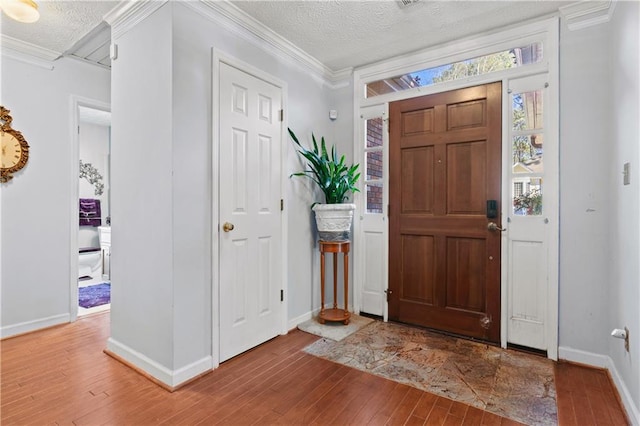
(15, 149)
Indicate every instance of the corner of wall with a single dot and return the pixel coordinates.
(165, 377)
(602, 361)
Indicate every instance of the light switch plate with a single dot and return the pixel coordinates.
(626, 178)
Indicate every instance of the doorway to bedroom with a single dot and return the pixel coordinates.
(93, 212)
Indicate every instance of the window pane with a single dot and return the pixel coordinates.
(374, 197)
(527, 154)
(374, 132)
(527, 110)
(498, 61)
(374, 165)
(527, 196)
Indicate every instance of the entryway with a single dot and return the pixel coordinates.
(251, 303)
(445, 209)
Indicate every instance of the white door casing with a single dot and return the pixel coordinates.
(249, 187)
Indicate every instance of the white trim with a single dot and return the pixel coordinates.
(603, 361)
(167, 376)
(582, 357)
(34, 325)
(128, 14)
(218, 57)
(248, 28)
(552, 160)
(294, 322)
(585, 14)
(28, 53)
(215, 210)
(504, 241)
(75, 103)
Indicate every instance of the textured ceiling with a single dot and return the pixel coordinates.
(340, 34)
(343, 34)
(61, 25)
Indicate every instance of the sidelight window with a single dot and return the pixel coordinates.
(374, 165)
(527, 135)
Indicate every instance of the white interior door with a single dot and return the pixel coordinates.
(249, 211)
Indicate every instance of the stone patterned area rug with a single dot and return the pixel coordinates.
(508, 383)
(335, 330)
(94, 295)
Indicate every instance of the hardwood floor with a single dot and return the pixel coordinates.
(61, 376)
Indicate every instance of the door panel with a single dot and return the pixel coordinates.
(250, 173)
(445, 163)
(466, 178)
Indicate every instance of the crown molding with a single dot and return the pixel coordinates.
(245, 26)
(584, 14)
(129, 14)
(28, 53)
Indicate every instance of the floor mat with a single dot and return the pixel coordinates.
(508, 383)
(94, 295)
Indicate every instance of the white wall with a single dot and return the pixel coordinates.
(162, 182)
(307, 110)
(600, 223)
(142, 316)
(585, 203)
(624, 227)
(35, 218)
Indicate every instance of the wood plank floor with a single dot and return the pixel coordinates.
(61, 376)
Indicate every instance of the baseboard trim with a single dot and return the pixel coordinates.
(293, 323)
(583, 357)
(627, 401)
(603, 361)
(170, 380)
(35, 325)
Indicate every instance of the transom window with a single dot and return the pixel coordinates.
(498, 61)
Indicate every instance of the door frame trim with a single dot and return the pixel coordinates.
(75, 103)
(218, 57)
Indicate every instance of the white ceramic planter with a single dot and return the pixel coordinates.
(334, 221)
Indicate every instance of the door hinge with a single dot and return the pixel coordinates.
(388, 210)
(281, 204)
(282, 295)
(281, 115)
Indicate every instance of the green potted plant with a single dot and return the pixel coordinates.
(335, 179)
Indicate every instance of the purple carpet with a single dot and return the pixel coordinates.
(94, 295)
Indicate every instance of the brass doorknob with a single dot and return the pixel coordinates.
(227, 227)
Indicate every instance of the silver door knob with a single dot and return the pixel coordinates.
(492, 226)
(227, 227)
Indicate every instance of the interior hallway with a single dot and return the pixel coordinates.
(61, 376)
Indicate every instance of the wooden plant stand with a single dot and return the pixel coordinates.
(335, 314)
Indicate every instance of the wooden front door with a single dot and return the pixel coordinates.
(444, 165)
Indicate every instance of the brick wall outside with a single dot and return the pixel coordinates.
(374, 165)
